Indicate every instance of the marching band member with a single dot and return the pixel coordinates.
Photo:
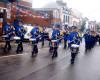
(9, 31)
(35, 34)
(73, 39)
(87, 40)
(20, 32)
(56, 35)
(65, 38)
(42, 31)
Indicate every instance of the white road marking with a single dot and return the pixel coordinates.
(10, 56)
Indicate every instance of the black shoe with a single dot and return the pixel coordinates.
(56, 55)
(53, 57)
(4, 50)
(36, 51)
(33, 54)
(72, 62)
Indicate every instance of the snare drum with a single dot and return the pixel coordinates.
(26, 38)
(74, 48)
(5, 36)
(54, 43)
(16, 38)
(32, 40)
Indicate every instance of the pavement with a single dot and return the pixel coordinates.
(43, 67)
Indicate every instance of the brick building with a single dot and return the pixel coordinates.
(26, 13)
(42, 16)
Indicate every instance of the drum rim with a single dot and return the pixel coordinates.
(17, 38)
(32, 39)
(53, 40)
(74, 45)
(4, 36)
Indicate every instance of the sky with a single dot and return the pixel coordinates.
(89, 8)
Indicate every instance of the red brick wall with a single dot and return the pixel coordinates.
(23, 3)
(30, 19)
(26, 4)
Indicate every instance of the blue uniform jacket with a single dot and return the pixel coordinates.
(65, 36)
(56, 35)
(35, 32)
(87, 37)
(8, 29)
(21, 31)
(74, 38)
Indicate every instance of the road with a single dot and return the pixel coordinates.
(24, 67)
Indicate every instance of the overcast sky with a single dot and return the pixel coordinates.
(89, 8)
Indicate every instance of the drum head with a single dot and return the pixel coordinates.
(5, 36)
(26, 38)
(16, 38)
(75, 46)
(32, 39)
(53, 41)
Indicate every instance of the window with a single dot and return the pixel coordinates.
(66, 19)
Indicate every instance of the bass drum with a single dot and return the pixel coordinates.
(32, 40)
